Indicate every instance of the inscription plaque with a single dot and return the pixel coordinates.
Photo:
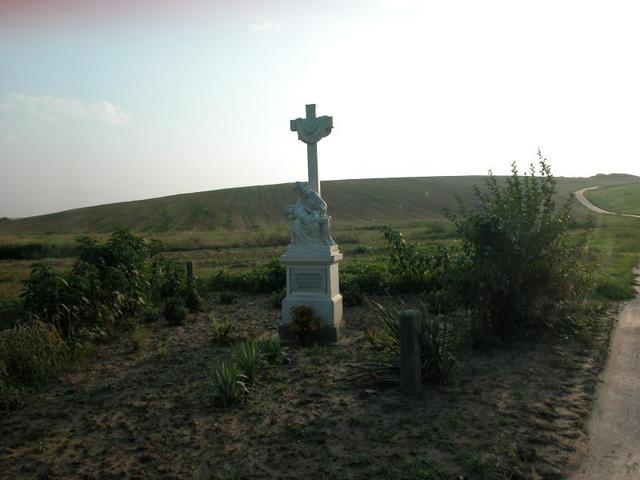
(308, 280)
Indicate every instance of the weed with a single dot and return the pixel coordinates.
(249, 360)
(270, 350)
(226, 384)
(220, 332)
(29, 356)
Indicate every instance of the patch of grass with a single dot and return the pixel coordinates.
(226, 384)
(617, 199)
(29, 356)
(422, 468)
(249, 359)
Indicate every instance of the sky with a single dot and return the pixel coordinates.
(103, 102)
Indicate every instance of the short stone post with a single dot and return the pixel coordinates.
(189, 266)
(410, 363)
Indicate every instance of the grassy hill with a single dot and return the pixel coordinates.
(351, 202)
(618, 199)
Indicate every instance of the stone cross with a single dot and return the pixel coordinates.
(310, 131)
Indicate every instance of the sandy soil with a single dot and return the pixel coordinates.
(614, 428)
(513, 413)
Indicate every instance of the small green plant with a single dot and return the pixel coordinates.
(220, 331)
(305, 325)
(139, 338)
(270, 350)
(226, 384)
(248, 358)
(174, 311)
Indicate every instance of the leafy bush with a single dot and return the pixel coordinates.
(226, 385)
(415, 269)
(304, 324)
(106, 288)
(174, 311)
(248, 358)
(521, 262)
(168, 280)
(435, 337)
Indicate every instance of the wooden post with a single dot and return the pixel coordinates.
(410, 363)
(189, 266)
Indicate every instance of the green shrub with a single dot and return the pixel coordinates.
(174, 311)
(522, 264)
(304, 324)
(107, 286)
(248, 358)
(226, 384)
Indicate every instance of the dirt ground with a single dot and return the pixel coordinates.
(517, 412)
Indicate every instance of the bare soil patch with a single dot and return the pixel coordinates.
(517, 412)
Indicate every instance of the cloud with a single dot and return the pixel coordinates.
(263, 27)
(61, 108)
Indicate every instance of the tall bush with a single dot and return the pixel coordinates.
(522, 263)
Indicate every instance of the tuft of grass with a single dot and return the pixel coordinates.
(29, 356)
(226, 384)
(249, 360)
(422, 468)
(270, 350)
(220, 332)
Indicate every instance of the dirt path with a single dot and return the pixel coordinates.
(584, 201)
(614, 428)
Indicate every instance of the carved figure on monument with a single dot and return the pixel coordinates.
(309, 222)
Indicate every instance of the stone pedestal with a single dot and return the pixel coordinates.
(312, 280)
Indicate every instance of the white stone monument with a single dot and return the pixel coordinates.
(312, 257)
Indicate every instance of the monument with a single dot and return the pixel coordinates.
(312, 257)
